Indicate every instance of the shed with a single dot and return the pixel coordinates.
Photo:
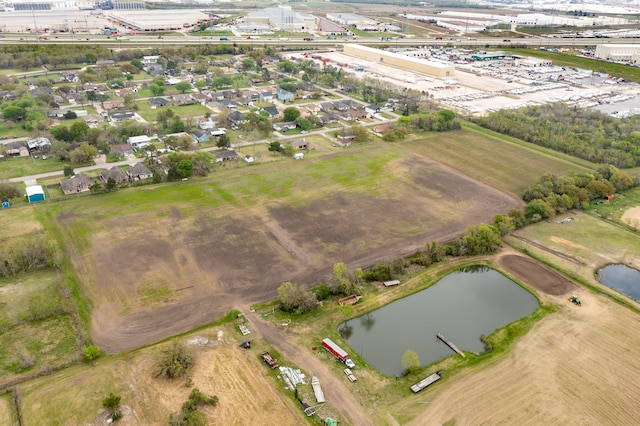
(35, 193)
(5, 203)
(298, 156)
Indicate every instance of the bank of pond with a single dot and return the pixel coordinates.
(463, 306)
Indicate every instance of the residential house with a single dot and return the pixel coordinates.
(207, 125)
(185, 99)
(118, 117)
(200, 98)
(326, 106)
(116, 173)
(272, 110)
(92, 120)
(284, 95)
(267, 95)
(201, 136)
(112, 105)
(313, 108)
(123, 92)
(138, 142)
(229, 94)
(158, 102)
(105, 63)
(56, 113)
(381, 129)
(139, 172)
(38, 144)
(236, 117)
(371, 110)
(284, 126)
(75, 184)
(341, 106)
(300, 144)
(217, 132)
(226, 103)
(123, 149)
(222, 156)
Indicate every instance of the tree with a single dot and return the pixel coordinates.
(156, 90)
(83, 154)
(184, 169)
(25, 62)
(174, 362)
(224, 141)
(62, 133)
(200, 85)
(90, 352)
(275, 146)
(68, 171)
(112, 404)
(9, 190)
(303, 123)
(291, 113)
(360, 133)
(137, 63)
(410, 362)
(294, 298)
(70, 115)
(13, 113)
(111, 184)
(183, 86)
(95, 186)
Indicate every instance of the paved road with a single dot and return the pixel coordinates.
(335, 388)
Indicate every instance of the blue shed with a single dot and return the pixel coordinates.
(35, 193)
(5, 203)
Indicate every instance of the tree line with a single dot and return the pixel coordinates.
(580, 132)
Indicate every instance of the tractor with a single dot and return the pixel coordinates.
(575, 300)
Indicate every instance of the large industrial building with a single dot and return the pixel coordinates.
(351, 19)
(435, 69)
(619, 52)
(281, 18)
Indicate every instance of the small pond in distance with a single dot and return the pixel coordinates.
(621, 278)
(462, 306)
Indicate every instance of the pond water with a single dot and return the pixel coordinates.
(462, 306)
(621, 278)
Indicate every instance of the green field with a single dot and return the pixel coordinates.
(503, 162)
(184, 111)
(27, 166)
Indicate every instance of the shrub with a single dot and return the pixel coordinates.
(294, 298)
(174, 362)
(112, 404)
(90, 352)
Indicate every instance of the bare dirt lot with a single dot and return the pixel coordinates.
(632, 217)
(574, 367)
(180, 267)
(536, 275)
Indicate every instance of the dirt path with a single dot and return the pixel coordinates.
(335, 391)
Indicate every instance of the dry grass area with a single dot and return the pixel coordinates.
(577, 366)
(632, 217)
(5, 410)
(19, 221)
(247, 396)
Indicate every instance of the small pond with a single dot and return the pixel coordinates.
(621, 278)
(462, 306)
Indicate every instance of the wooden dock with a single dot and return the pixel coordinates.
(450, 344)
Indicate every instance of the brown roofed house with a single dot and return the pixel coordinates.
(116, 173)
(75, 184)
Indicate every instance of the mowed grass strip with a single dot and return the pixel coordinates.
(502, 162)
(27, 166)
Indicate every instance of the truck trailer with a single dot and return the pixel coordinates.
(338, 352)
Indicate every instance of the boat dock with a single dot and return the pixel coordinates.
(426, 382)
(450, 344)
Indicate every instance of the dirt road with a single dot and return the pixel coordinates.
(335, 390)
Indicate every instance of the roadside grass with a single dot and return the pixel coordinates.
(8, 129)
(16, 293)
(26, 166)
(46, 342)
(90, 109)
(505, 163)
(564, 60)
(17, 222)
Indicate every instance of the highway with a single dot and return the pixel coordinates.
(141, 40)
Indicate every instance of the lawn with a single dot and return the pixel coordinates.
(183, 111)
(505, 163)
(16, 222)
(26, 166)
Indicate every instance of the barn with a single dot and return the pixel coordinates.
(35, 193)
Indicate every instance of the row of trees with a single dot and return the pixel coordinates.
(580, 132)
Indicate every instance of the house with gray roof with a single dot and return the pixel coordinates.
(116, 173)
(139, 172)
(75, 184)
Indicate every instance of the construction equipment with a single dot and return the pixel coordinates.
(575, 300)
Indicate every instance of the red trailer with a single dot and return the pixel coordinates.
(338, 352)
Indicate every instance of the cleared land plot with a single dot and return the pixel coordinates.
(501, 162)
(246, 394)
(184, 111)
(577, 366)
(17, 222)
(217, 243)
(27, 166)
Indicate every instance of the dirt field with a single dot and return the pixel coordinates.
(179, 267)
(239, 379)
(632, 217)
(577, 366)
(535, 274)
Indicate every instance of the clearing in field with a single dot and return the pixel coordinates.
(19, 221)
(632, 217)
(162, 260)
(246, 395)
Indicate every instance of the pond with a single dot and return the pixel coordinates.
(621, 278)
(462, 306)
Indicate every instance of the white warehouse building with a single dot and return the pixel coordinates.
(618, 52)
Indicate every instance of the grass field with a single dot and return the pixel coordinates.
(184, 111)
(26, 166)
(6, 410)
(21, 222)
(505, 163)
(16, 292)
